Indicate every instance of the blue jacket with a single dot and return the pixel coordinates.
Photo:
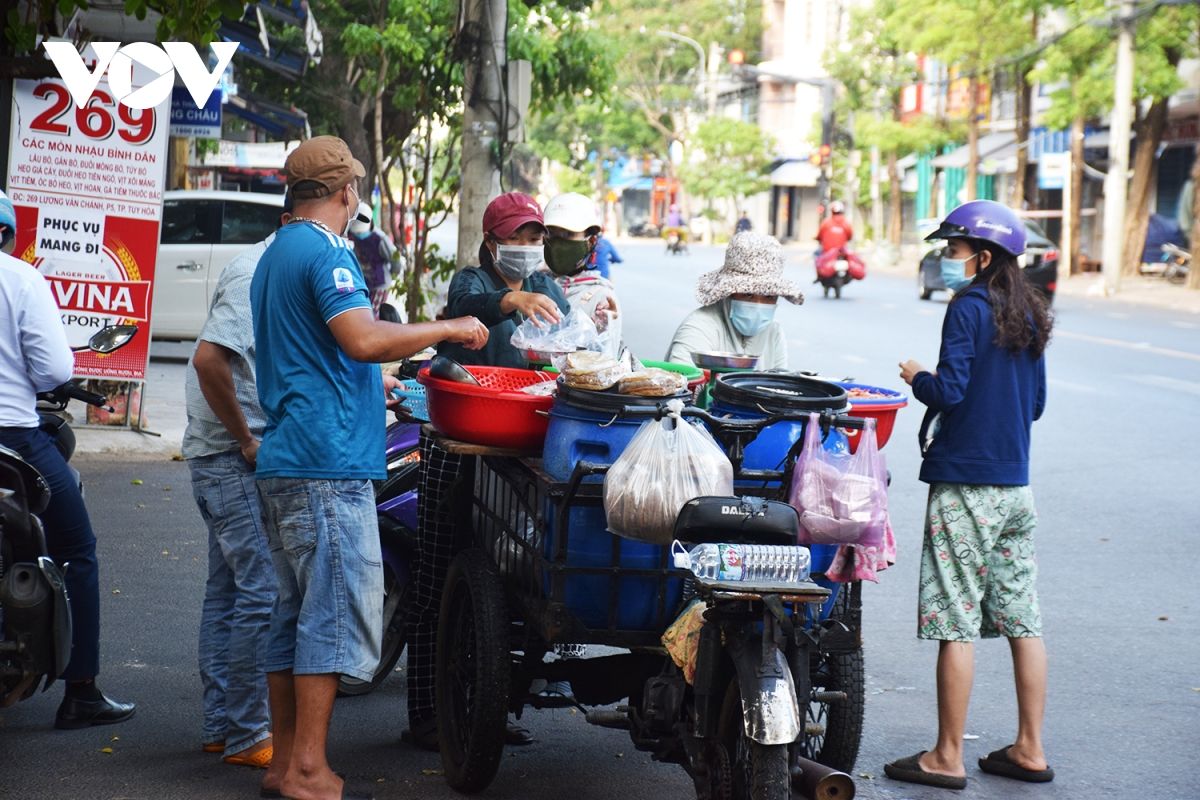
(604, 255)
(987, 397)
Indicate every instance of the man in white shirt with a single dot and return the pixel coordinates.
(35, 357)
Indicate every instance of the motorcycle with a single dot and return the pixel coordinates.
(838, 267)
(35, 616)
(1178, 261)
(676, 241)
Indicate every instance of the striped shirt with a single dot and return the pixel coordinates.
(229, 325)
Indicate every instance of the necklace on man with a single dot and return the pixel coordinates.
(316, 222)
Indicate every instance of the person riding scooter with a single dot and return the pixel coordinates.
(35, 357)
(836, 265)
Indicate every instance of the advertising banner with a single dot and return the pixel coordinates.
(87, 183)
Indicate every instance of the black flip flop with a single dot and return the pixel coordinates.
(909, 770)
(998, 763)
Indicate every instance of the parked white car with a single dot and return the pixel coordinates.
(202, 231)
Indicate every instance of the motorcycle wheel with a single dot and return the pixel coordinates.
(395, 636)
(760, 771)
(473, 672)
(833, 729)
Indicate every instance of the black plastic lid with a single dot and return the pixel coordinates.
(777, 392)
(610, 402)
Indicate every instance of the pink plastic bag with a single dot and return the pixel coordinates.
(841, 497)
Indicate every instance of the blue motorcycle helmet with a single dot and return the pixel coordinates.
(984, 220)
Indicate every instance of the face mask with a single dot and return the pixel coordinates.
(567, 256)
(954, 273)
(748, 318)
(517, 262)
(351, 213)
(361, 234)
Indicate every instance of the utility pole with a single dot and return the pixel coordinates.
(1116, 183)
(485, 38)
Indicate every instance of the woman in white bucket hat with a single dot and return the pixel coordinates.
(738, 306)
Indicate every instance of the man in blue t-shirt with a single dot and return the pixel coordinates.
(322, 391)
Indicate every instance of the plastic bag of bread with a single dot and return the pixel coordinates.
(652, 382)
(667, 463)
(589, 370)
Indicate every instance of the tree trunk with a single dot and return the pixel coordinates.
(1194, 275)
(1145, 169)
(972, 139)
(1020, 196)
(895, 222)
(1074, 258)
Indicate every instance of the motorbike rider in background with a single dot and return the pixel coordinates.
(35, 357)
(836, 231)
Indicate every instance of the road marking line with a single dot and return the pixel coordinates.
(1142, 347)
(1181, 324)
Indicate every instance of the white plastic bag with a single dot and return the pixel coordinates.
(667, 463)
(575, 331)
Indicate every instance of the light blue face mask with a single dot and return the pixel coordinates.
(954, 273)
(748, 318)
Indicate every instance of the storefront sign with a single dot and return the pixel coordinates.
(1052, 170)
(87, 184)
(188, 120)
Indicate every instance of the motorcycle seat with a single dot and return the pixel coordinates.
(737, 520)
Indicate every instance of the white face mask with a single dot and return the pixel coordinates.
(351, 213)
(517, 262)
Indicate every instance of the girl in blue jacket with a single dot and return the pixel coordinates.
(978, 568)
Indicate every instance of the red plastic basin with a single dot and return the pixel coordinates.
(882, 410)
(496, 413)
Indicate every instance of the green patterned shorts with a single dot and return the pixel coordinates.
(978, 567)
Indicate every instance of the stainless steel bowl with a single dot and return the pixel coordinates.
(724, 361)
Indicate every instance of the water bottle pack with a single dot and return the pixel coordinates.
(744, 563)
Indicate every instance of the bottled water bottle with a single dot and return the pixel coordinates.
(754, 563)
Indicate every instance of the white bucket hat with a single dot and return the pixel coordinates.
(753, 265)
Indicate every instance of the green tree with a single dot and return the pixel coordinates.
(873, 67)
(730, 162)
(661, 76)
(1082, 62)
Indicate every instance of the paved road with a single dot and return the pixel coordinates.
(1114, 473)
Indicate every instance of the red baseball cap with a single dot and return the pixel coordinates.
(508, 212)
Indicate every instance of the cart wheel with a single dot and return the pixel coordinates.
(760, 771)
(395, 607)
(833, 730)
(473, 665)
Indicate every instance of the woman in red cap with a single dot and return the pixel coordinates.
(507, 287)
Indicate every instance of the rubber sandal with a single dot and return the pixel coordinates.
(260, 759)
(998, 763)
(213, 747)
(516, 736)
(909, 770)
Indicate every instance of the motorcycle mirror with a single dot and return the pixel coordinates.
(111, 338)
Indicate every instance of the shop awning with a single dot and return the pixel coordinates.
(795, 173)
(988, 144)
(275, 119)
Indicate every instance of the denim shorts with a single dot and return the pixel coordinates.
(324, 541)
(978, 564)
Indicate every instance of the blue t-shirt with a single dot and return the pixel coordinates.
(324, 409)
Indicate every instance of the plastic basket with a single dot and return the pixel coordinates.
(495, 413)
(412, 394)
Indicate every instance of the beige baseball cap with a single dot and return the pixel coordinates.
(324, 164)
